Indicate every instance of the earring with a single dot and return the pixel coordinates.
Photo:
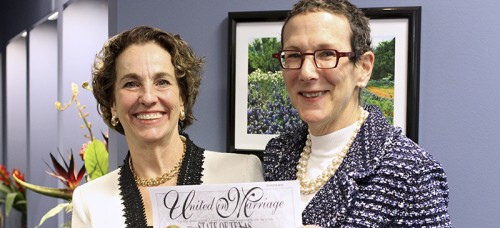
(182, 115)
(114, 121)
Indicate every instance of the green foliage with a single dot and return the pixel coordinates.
(385, 105)
(382, 77)
(96, 159)
(12, 199)
(269, 108)
(262, 85)
(68, 207)
(384, 60)
(260, 55)
(383, 83)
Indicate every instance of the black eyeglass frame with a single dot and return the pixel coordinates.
(338, 54)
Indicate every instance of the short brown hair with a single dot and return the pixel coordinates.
(359, 23)
(188, 69)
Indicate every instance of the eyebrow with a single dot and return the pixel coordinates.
(317, 47)
(137, 77)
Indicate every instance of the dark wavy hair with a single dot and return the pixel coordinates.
(359, 23)
(188, 69)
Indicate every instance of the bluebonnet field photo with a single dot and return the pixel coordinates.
(269, 109)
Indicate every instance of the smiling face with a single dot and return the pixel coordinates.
(326, 99)
(147, 97)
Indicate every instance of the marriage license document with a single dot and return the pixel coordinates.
(240, 205)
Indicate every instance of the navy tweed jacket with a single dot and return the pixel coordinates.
(385, 180)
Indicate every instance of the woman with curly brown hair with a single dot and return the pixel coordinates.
(146, 81)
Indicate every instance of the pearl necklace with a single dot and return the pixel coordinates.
(311, 186)
(144, 182)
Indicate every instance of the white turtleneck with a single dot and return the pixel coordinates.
(323, 149)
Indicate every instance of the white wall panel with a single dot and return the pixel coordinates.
(16, 111)
(43, 125)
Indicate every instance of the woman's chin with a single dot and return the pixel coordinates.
(312, 118)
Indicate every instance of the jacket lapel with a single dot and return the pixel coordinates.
(332, 202)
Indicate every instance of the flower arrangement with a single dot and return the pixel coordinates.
(94, 154)
(13, 194)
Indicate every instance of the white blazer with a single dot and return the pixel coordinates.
(98, 203)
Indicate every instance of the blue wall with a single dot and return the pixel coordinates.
(458, 75)
(54, 54)
(459, 107)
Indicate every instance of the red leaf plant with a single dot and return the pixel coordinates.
(12, 195)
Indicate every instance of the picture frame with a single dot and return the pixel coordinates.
(249, 31)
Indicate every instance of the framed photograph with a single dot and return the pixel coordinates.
(259, 107)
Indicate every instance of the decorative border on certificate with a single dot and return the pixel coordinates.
(255, 204)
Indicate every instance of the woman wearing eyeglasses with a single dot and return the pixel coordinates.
(354, 168)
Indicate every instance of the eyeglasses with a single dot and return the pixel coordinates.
(323, 59)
